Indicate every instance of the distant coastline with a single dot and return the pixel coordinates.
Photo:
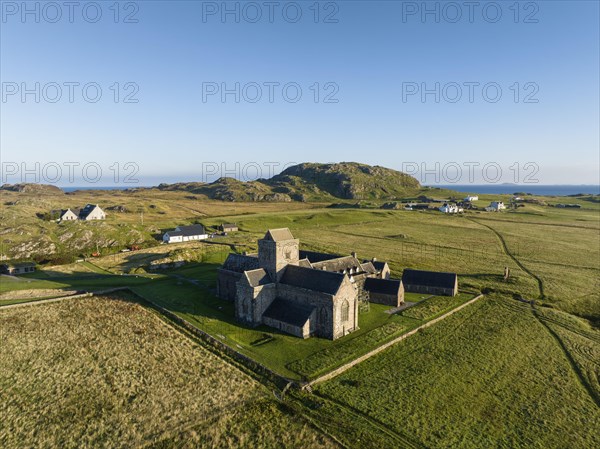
(73, 189)
(534, 189)
(499, 189)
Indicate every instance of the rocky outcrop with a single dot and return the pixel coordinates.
(31, 188)
(306, 182)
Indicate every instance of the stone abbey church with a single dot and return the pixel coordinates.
(304, 293)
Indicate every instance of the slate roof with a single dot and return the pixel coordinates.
(340, 264)
(310, 279)
(379, 266)
(304, 263)
(61, 212)
(258, 277)
(383, 286)
(188, 231)
(314, 256)
(240, 263)
(83, 213)
(277, 235)
(428, 278)
(289, 312)
(368, 267)
(17, 264)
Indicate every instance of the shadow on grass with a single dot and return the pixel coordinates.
(82, 282)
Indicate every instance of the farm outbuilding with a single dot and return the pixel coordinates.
(385, 291)
(430, 282)
(228, 227)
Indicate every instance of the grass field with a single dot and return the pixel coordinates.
(121, 377)
(499, 373)
(287, 355)
(490, 376)
(188, 292)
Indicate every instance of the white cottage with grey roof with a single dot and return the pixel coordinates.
(92, 212)
(185, 234)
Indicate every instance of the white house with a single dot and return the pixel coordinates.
(495, 206)
(448, 208)
(68, 215)
(91, 212)
(185, 234)
(471, 198)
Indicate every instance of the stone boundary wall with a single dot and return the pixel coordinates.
(383, 347)
(34, 301)
(249, 363)
(246, 361)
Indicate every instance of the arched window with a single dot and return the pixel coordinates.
(345, 310)
(323, 315)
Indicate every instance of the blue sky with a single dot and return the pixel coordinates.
(370, 61)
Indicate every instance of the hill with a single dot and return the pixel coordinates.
(310, 182)
(32, 188)
(346, 180)
(229, 189)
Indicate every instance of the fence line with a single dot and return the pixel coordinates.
(34, 302)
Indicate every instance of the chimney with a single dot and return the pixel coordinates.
(374, 259)
(324, 268)
(353, 254)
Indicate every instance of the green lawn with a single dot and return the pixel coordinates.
(285, 354)
(496, 374)
(434, 306)
(489, 376)
(405, 239)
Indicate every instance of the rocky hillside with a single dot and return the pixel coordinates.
(229, 189)
(347, 180)
(31, 188)
(310, 182)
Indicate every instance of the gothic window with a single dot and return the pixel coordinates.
(323, 315)
(345, 310)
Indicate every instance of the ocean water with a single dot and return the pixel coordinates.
(505, 189)
(534, 189)
(72, 189)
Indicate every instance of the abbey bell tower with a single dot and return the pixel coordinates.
(276, 250)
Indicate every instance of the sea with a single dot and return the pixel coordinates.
(499, 189)
(73, 189)
(534, 189)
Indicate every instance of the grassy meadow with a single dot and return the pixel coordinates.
(499, 373)
(187, 296)
(122, 377)
(489, 376)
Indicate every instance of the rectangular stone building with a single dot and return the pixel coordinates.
(430, 282)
